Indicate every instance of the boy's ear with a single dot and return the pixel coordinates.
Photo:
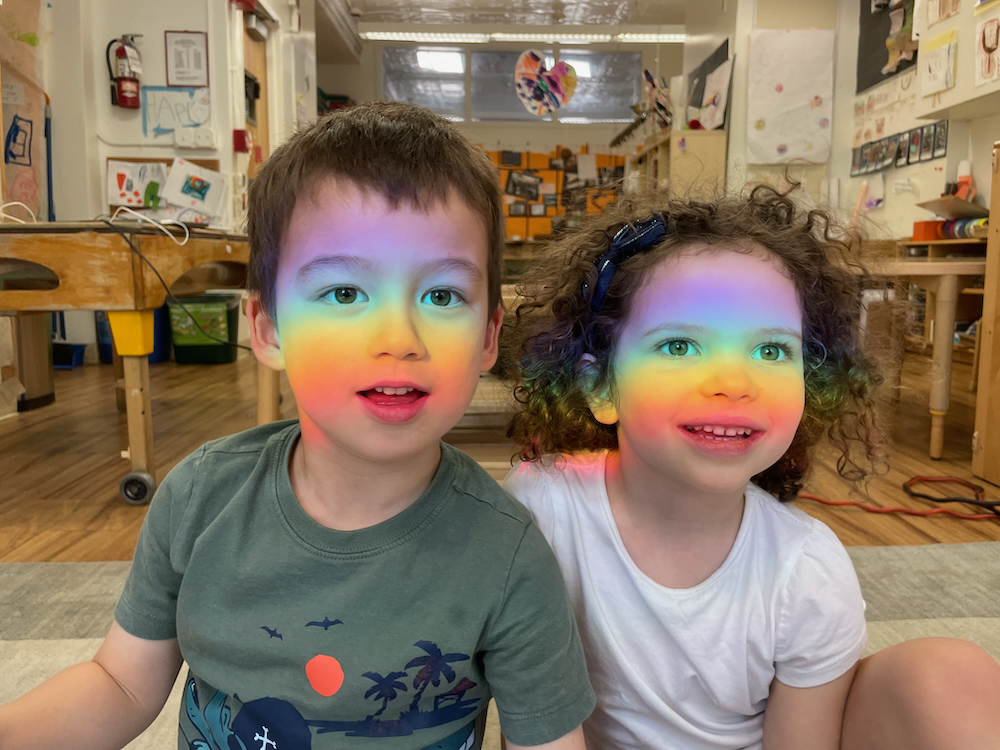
(600, 403)
(491, 344)
(264, 335)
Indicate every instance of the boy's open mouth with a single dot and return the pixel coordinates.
(384, 396)
(720, 433)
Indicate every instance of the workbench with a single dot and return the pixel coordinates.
(90, 266)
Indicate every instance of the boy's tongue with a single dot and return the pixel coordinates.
(384, 399)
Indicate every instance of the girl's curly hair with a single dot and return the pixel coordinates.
(555, 326)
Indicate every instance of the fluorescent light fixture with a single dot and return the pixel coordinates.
(419, 36)
(651, 38)
(441, 61)
(553, 37)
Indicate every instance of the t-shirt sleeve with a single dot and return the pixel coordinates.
(525, 482)
(532, 656)
(821, 631)
(147, 607)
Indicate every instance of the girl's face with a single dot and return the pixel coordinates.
(709, 388)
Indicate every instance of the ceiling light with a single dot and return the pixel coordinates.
(419, 36)
(650, 38)
(441, 61)
(553, 38)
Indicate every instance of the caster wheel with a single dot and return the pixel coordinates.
(136, 488)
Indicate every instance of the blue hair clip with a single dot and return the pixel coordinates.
(627, 242)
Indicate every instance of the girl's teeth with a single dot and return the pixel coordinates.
(722, 431)
(393, 391)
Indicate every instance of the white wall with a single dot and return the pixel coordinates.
(983, 133)
(363, 82)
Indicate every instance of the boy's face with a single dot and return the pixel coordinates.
(382, 320)
(708, 369)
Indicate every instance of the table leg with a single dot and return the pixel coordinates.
(946, 298)
(268, 388)
(132, 331)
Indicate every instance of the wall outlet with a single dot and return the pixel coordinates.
(184, 138)
(204, 137)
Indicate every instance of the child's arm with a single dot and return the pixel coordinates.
(571, 741)
(806, 717)
(100, 704)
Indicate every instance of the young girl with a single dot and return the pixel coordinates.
(679, 362)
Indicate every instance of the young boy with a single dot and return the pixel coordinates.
(345, 580)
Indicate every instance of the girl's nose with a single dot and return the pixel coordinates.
(731, 381)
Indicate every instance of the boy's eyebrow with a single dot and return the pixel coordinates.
(349, 262)
(453, 264)
(696, 329)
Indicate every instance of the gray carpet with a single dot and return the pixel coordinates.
(55, 614)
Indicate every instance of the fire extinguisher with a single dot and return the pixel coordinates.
(124, 71)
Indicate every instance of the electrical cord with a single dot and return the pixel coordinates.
(980, 501)
(167, 288)
(5, 215)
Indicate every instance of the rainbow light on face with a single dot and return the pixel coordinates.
(719, 305)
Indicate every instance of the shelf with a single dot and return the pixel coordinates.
(976, 292)
(986, 105)
(928, 243)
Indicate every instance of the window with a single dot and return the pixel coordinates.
(493, 94)
(432, 77)
(608, 83)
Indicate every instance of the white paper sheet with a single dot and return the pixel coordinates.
(938, 69)
(128, 183)
(713, 105)
(191, 186)
(987, 48)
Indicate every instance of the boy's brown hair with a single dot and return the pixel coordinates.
(403, 152)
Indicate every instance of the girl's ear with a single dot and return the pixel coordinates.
(599, 400)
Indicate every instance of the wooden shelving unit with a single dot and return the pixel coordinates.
(684, 163)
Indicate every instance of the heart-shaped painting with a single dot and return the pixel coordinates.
(541, 91)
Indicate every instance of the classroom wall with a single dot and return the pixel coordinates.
(363, 82)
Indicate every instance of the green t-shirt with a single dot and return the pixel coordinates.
(394, 636)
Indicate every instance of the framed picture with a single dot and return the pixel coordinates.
(872, 157)
(550, 199)
(880, 152)
(890, 154)
(518, 208)
(855, 161)
(510, 158)
(556, 164)
(523, 185)
(940, 139)
(904, 146)
(927, 142)
(866, 157)
(187, 58)
(914, 153)
(536, 209)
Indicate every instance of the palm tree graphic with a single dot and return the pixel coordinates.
(432, 667)
(385, 688)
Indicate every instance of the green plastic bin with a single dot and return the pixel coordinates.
(218, 313)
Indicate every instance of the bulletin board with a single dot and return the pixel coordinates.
(881, 52)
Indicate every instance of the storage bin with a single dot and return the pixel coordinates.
(218, 313)
(67, 356)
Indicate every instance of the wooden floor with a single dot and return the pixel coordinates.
(60, 465)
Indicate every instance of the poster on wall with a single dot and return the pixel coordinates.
(166, 109)
(937, 63)
(191, 186)
(790, 95)
(885, 42)
(987, 41)
(939, 10)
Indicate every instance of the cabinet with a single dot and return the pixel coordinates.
(684, 163)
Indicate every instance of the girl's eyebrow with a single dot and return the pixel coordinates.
(696, 329)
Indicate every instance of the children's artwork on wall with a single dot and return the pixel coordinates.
(536, 209)
(913, 156)
(937, 63)
(712, 114)
(904, 148)
(927, 142)
(550, 200)
(890, 152)
(940, 139)
(523, 185)
(790, 95)
(987, 42)
(166, 109)
(939, 10)
(885, 42)
(518, 208)
(540, 90)
(191, 186)
(135, 184)
(866, 156)
(855, 161)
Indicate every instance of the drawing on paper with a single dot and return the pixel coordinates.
(987, 42)
(166, 109)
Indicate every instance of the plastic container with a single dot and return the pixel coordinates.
(927, 230)
(218, 313)
(161, 337)
(67, 356)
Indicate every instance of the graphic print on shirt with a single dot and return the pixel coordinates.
(276, 724)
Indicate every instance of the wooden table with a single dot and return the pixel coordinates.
(945, 279)
(89, 266)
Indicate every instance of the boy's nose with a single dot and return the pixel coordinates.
(730, 381)
(397, 335)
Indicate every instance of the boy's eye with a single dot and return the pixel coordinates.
(441, 297)
(770, 352)
(345, 295)
(678, 348)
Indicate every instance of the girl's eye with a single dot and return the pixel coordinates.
(770, 352)
(345, 295)
(442, 297)
(678, 348)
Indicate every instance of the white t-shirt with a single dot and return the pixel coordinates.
(690, 669)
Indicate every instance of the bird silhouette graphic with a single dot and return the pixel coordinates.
(272, 633)
(326, 624)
